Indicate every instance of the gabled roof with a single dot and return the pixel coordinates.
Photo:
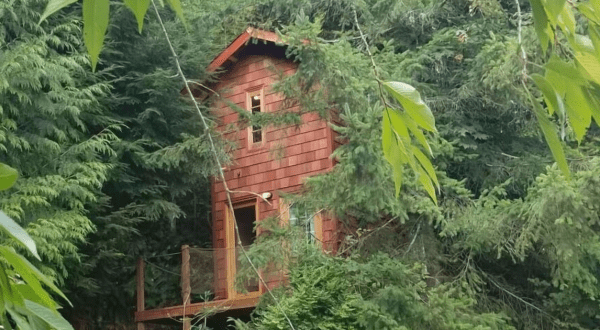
(239, 43)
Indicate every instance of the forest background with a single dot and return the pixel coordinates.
(115, 165)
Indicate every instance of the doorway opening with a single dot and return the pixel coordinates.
(245, 216)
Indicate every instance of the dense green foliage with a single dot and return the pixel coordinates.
(114, 165)
(24, 302)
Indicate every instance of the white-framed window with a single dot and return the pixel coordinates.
(255, 103)
(300, 217)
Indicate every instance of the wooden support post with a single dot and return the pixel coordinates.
(186, 289)
(140, 279)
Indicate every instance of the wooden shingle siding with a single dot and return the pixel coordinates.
(287, 157)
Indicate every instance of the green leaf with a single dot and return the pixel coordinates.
(54, 319)
(416, 131)
(30, 273)
(578, 110)
(595, 37)
(550, 95)
(176, 6)
(7, 293)
(426, 164)
(567, 70)
(18, 233)
(566, 21)
(54, 6)
(394, 149)
(588, 9)
(95, 24)
(550, 135)
(8, 176)
(540, 21)
(583, 44)
(397, 168)
(411, 101)
(21, 322)
(26, 271)
(590, 64)
(397, 123)
(139, 9)
(554, 8)
(28, 293)
(593, 97)
(426, 182)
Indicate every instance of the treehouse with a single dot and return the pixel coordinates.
(248, 68)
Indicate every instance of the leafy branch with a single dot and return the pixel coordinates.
(569, 88)
(401, 125)
(96, 16)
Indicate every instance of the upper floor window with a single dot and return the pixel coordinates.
(255, 102)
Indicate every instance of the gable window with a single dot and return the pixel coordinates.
(255, 101)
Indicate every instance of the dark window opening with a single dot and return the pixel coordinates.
(255, 106)
(246, 219)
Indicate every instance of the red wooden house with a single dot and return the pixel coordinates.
(248, 71)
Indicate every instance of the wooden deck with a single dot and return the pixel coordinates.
(240, 305)
(218, 306)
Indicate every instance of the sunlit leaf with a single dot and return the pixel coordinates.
(394, 149)
(53, 318)
(591, 65)
(416, 132)
(549, 131)
(411, 101)
(583, 44)
(566, 21)
(18, 233)
(95, 24)
(396, 122)
(139, 9)
(8, 176)
(578, 110)
(567, 70)
(554, 8)
(426, 164)
(590, 9)
(53, 6)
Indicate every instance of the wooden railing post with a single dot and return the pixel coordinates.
(140, 279)
(186, 289)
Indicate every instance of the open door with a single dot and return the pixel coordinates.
(246, 215)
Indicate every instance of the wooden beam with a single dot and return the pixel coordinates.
(193, 309)
(186, 289)
(140, 279)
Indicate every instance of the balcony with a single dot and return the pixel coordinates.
(201, 284)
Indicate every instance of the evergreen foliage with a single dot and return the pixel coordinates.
(326, 292)
(54, 131)
(114, 165)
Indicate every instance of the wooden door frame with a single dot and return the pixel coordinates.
(230, 245)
